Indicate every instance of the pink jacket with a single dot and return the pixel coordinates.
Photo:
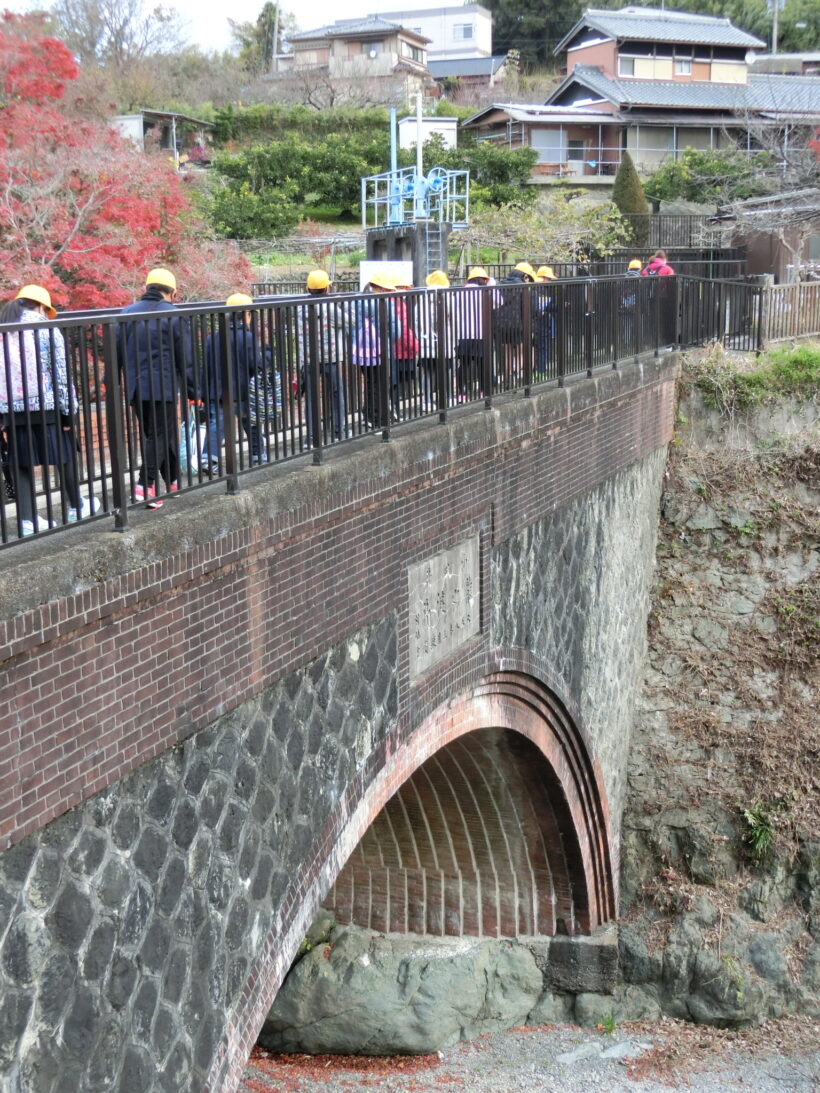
(658, 266)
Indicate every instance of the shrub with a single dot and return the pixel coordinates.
(630, 200)
(780, 373)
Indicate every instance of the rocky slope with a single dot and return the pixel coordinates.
(721, 855)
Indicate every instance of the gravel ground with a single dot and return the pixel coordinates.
(782, 1057)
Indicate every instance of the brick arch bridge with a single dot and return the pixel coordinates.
(202, 718)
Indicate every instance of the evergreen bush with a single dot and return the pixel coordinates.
(628, 196)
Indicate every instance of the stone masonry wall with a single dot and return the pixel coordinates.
(197, 707)
(133, 923)
(567, 585)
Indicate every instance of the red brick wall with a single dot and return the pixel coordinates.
(95, 682)
(469, 844)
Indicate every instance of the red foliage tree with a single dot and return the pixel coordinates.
(83, 211)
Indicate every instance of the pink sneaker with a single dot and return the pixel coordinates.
(141, 492)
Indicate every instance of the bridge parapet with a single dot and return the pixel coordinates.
(222, 695)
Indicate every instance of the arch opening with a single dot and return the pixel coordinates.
(478, 841)
(522, 763)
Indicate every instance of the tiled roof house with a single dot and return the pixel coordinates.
(359, 49)
(652, 82)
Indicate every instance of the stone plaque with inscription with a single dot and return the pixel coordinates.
(444, 604)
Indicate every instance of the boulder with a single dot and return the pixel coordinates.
(373, 994)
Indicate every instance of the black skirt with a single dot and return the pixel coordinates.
(38, 444)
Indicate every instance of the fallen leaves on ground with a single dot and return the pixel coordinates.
(288, 1071)
(681, 1050)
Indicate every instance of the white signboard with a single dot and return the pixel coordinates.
(444, 604)
(398, 273)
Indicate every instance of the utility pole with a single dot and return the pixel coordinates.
(276, 40)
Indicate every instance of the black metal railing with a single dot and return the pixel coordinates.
(672, 230)
(724, 265)
(729, 312)
(292, 286)
(166, 401)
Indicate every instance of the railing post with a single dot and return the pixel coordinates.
(561, 354)
(385, 369)
(614, 290)
(228, 401)
(314, 388)
(114, 426)
(764, 310)
(444, 334)
(589, 299)
(526, 316)
(657, 313)
(488, 339)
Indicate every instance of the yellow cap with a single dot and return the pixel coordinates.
(546, 273)
(478, 272)
(39, 295)
(162, 277)
(635, 263)
(380, 280)
(526, 268)
(239, 298)
(317, 281)
(437, 279)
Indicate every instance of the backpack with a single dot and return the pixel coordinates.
(508, 313)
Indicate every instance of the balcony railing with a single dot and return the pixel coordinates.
(294, 377)
(602, 161)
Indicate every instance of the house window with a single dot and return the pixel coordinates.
(412, 52)
(626, 66)
(683, 68)
(575, 149)
(462, 31)
(372, 48)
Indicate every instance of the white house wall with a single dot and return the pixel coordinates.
(440, 26)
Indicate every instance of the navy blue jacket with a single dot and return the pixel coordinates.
(247, 355)
(156, 352)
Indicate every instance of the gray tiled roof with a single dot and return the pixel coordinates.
(784, 94)
(531, 112)
(763, 93)
(465, 66)
(345, 27)
(655, 25)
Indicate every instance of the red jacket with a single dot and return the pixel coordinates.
(657, 265)
(406, 346)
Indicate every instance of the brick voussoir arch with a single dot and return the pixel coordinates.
(540, 715)
(511, 700)
(517, 661)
